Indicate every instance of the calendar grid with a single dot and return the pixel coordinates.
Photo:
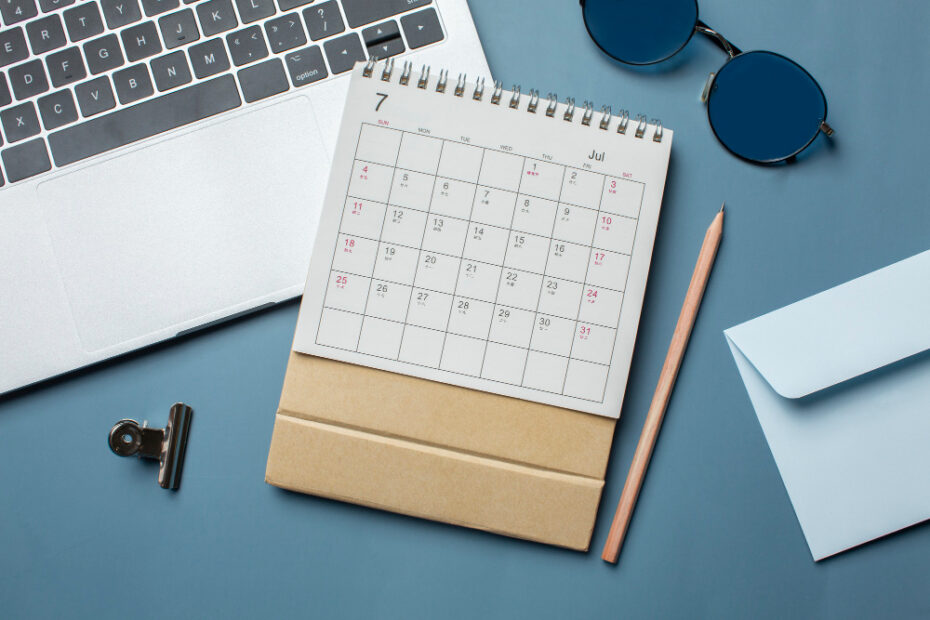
(455, 287)
(403, 329)
(440, 331)
(465, 297)
(588, 268)
(484, 357)
(383, 219)
(452, 178)
(475, 260)
(545, 267)
(626, 282)
(464, 374)
(396, 245)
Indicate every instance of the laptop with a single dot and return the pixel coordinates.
(164, 161)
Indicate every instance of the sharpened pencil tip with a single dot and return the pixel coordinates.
(722, 206)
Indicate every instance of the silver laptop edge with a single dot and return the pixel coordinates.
(178, 231)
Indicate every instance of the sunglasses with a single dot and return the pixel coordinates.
(762, 106)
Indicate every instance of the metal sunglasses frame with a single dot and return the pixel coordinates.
(732, 52)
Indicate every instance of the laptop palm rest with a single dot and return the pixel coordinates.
(187, 230)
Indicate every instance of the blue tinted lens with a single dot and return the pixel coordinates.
(640, 32)
(765, 107)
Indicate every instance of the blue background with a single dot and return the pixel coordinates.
(84, 533)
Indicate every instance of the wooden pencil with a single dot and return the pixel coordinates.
(676, 350)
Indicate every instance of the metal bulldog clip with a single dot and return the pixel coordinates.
(168, 445)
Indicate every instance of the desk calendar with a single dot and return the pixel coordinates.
(486, 239)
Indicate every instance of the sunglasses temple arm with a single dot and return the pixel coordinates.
(718, 39)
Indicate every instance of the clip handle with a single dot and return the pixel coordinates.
(167, 445)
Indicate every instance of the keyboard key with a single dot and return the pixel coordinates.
(179, 28)
(285, 33)
(53, 5)
(252, 10)
(143, 120)
(216, 16)
(380, 32)
(385, 49)
(15, 11)
(45, 34)
(119, 13)
(140, 41)
(133, 83)
(12, 46)
(26, 160)
(383, 40)
(103, 54)
(360, 12)
(343, 52)
(157, 7)
(95, 96)
(5, 97)
(208, 58)
(287, 5)
(65, 66)
(28, 79)
(171, 71)
(19, 122)
(421, 28)
(306, 66)
(83, 21)
(324, 20)
(57, 109)
(263, 80)
(246, 45)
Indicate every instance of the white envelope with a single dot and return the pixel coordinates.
(841, 384)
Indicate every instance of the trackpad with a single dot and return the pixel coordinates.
(170, 234)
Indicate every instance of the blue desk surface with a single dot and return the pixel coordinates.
(84, 533)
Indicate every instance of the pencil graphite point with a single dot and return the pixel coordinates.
(722, 206)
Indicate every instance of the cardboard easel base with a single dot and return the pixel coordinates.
(439, 452)
(433, 483)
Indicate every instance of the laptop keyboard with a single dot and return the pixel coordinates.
(80, 78)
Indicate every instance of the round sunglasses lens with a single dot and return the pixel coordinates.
(640, 32)
(765, 107)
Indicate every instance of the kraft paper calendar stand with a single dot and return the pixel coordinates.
(441, 452)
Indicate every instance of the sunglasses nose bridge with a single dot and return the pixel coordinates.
(719, 40)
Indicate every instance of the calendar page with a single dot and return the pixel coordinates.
(483, 245)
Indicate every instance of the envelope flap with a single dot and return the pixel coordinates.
(843, 332)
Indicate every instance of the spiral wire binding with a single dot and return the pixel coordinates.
(405, 75)
(479, 89)
(640, 125)
(624, 121)
(607, 116)
(388, 70)
(553, 102)
(534, 101)
(496, 95)
(588, 113)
